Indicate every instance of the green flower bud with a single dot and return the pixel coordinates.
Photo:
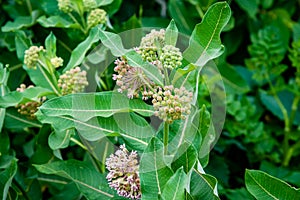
(65, 6)
(96, 16)
(32, 56)
(57, 62)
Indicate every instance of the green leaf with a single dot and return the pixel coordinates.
(203, 186)
(22, 44)
(6, 178)
(30, 94)
(78, 54)
(50, 45)
(263, 186)
(14, 120)
(103, 2)
(249, 6)
(21, 22)
(57, 22)
(286, 97)
(180, 13)
(205, 43)
(113, 42)
(186, 156)
(175, 187)
(60, 139)
(171, 34)
(154, 173)
(90, 183)
(85, 106)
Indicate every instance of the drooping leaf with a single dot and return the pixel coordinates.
(186, 156)
(205, 43)
(85, 106)
(264, 187)
(14, 98)
(90, 183)
(78, 54)
(6, 177)
(113, 42)
(171, 34)
(203, 186)
(56, 21)
(175, 187)
(154, 173)
(21, 22)
(60, 139)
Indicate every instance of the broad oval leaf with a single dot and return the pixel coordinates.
(89, 182)
(205, 43)
(175, 187)
(154, 173)
(266, 187)
(84, 106)
(203, 186)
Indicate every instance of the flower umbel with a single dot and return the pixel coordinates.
(123, 173)
(65, 6)
(171, 57)
(97, 16)
(172, 103)
(31, 107)
(132, 79)
(73, 81)
(32, 56)
(57, 62)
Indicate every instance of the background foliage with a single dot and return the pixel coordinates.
(259, 67)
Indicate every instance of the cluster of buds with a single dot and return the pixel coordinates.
(65, 6)
(73, 81)
(89, 4)
(171, 57)
(96, 16)
(132, 79)
(32, 56)
(57, 62)
(172, 103)
(123, 173)
(31, 107)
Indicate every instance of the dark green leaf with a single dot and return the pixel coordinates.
(186, 156)
(22, 44)
(6, 178)
(264, 187)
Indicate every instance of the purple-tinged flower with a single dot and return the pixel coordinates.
(123, 173)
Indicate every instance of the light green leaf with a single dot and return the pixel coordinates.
(103, 2)
(50, 45)
(85, 106)
(56, 21)
(266, 187)
(89, 182)
(6, 177)
(171, 34)
(60, 139)
(205, 43)
(135, 60)
(4, 74)
(30, 94)
(154, 173)
(175, 187)
(78, 54)
(186, 156)
(203, 186)
(113, 42)
(21, 22)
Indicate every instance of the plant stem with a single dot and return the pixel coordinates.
(294, 109)
(200, 11)
(29, 6)
(24, 193)
(78, 143)
(76, 21)
(166, 137)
